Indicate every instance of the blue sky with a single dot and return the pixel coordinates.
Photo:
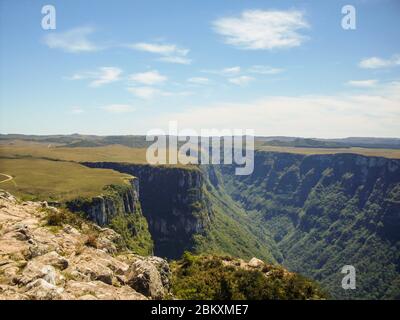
(124, 67)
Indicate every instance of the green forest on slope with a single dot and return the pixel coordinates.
(323, 212)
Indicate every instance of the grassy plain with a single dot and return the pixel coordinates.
(52, 172)
(369, 152)
(40, 179)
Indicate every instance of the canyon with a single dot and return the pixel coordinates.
(310, 213)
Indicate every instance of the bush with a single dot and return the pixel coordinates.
(91, 240)
(59, 217)
(211, 277)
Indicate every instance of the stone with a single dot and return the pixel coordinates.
(40, 289)
(53, 259)
(256, 263)
(36, 270)
(37, 263)
(144, 277)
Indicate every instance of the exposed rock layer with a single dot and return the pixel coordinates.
(42, 262)
(172, 201)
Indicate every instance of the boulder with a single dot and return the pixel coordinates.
(36, 270)
(144, 277)
(53, 259)
(94, 290)
(256, 263)
(40, 289)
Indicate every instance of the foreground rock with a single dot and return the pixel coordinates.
(41, 262)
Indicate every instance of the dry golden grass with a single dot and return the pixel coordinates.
(386, 153)
(112, 153)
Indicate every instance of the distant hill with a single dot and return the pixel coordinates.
(306, 143)
(139, 141)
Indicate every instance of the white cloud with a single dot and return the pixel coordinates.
(74, 40)
(101, 76)
(230, 71)
(176, 59)
(77, 110)
(374, 114)
(265, 69)
(376, 63)
(118, 108)
(241, 81)
(363, 83)
(169, 52)
(148, 93)
(148, 78)
(258, 29)
(199, 80)
(106, 75)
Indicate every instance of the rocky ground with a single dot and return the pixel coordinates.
(38, 261)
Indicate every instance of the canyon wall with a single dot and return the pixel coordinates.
(172, 201)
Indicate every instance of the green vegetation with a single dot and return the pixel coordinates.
(39, 179)
(324, 213)
(79, 188)
(134, 233)
(59, 217)
(312, 208)
(220, 278)
(231, 232)
(128, 221)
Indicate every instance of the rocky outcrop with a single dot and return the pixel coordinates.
(38, 261)
(115, 200)
(172, 201)
(118, 207)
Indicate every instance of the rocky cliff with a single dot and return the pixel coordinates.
(324, 212)
(47, 253)
(118, 207)
(312, 213)
(116, 200)
(173, 202)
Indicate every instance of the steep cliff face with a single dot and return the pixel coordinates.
(119, 208)
(327, 211)
(172, 201)
(115, 200)
(314, 214)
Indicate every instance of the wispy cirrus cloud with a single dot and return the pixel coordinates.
(377, 63)
(148, 78)
(170, 53)
(263, 29)
(75, 40)
(77, 110)
(148, 93)
(241, 81)
(229, 71)
(260, 69)
(363, 83)
(327, 116)
(118, 108)
(101, 76)
(199, 80)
